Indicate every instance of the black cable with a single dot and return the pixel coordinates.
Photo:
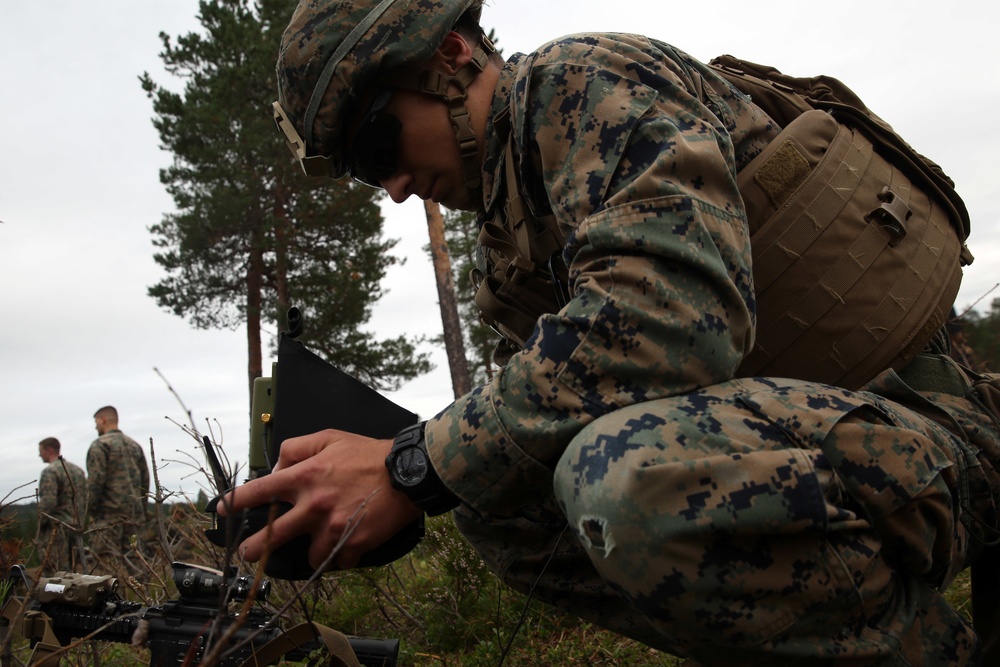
(531, 593)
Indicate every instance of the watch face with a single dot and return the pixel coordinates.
(411, 466)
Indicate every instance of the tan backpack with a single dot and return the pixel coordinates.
(858, 241)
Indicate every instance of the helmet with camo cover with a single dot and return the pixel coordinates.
(334, 50)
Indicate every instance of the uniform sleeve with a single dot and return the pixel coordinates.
(97, 468)
(142, 467)
(79, 493)
(48, 491)
(638, 163)
(142, 492)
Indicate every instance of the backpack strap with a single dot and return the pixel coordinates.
(520, 273)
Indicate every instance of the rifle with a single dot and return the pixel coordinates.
(305, 394)
(179, 632)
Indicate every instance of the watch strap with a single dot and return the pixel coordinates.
(429, 494)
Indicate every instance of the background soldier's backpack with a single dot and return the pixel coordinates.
(858, 240)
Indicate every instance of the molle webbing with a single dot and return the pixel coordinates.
(784, 98)
(857, 240)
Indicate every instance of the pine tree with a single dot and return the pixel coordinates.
(251, 234)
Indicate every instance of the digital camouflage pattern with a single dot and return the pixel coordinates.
(117, 486)
(763, 522)
(62, 503)
(614, 467)
(641, 176)
(321, 49)
(141, 481)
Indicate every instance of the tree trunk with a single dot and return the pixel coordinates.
(281, 259)
(255, 283)
(454, 344)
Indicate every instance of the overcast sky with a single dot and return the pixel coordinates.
(79, 188)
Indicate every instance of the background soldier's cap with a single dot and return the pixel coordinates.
(332, 50)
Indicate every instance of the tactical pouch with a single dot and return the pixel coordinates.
(520, 274)
(855, 267)
(858, 240)
(517, 290)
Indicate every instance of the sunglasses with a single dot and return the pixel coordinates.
(376, 143)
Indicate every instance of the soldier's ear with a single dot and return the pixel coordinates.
(453, 54)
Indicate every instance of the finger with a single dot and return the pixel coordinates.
(329, 540)
(298, 449)
(291, 524)
(319, 553)
(255, 492)
(348, 558)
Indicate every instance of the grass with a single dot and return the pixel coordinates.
(440, 601)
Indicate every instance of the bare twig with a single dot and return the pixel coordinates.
(976, 302)
(388, 595)
(5, 501)
(158, 500)
(176, 395)
(78, 642)
(5, 647)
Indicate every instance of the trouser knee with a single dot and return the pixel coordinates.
(738, 516)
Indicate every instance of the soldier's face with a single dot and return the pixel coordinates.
(100, 425)
(428, 163)
(374, 147)
(45, 454)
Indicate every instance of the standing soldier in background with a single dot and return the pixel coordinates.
(62, 495)
(116, 489)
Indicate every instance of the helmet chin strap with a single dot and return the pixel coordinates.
(437, 84)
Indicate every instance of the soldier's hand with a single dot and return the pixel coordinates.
(339, 488)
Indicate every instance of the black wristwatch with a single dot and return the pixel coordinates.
(411, 472)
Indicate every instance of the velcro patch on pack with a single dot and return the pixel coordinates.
(782, 174)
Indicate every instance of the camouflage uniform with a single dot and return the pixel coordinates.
(62, 495)
(141, 481)
(616, 467)
(118, 481)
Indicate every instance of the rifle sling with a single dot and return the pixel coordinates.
(336, 643)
